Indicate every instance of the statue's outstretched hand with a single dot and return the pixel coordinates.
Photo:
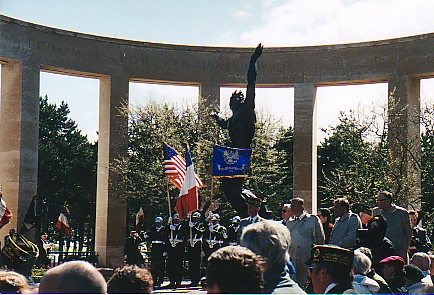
(258, 52)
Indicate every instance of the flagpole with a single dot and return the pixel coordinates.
(168, 197)
(212, 192)
(168, 202)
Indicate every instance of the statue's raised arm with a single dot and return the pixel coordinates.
(242, 123)
(251, 77)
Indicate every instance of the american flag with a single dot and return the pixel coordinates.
(174, 166)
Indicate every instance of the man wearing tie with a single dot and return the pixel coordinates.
(253, 207)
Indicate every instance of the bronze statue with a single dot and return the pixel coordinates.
(241, 126)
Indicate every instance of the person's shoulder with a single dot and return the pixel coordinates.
(400, 209)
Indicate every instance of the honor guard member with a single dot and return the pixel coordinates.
(176, 251)
(232, 231)
(215, 236)
(157, 237)
(132, 253)
(194, 247)
(253, 206)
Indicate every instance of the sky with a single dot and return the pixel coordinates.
(243, 23)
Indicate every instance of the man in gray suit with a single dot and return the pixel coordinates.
(344, 233)
(253, 207)
(398, 223)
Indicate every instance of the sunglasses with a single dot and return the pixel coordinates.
(283, 210)
(380, 200)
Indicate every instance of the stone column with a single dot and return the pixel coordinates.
(404, 137)
(19, 132)
(305, 149)
(112, 143)
(209, 93)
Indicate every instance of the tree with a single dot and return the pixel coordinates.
(353, 161)
(66, 169)
(142, 173)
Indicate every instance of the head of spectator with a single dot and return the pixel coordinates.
(365, 214)
(44, 236)
(392, 266)
(330, 264)
(361, 282)
(324, 215)
(366, 251)
(412, 274)
(384, 200)
(297, 206)
(130, 279)
(377, 227)
(73, 277)
(421, 260)
(431, 265)
(362, 263)
(253, 203)
(341, 206)
(234, 270)
(286, 211)
(270, 239)
(13, 283)
(413, 218)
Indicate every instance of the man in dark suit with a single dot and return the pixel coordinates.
(330, 270)
(253, 207)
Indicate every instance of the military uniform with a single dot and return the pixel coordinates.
(254, 202)
(214, 235)
(196, 230)
(157, 237)
(176, 249)
(232, 232)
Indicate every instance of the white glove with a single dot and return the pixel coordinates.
(164, 254)
(190, 224)
(172, 227)
(225, 235)
(211, 228)
(145, 236)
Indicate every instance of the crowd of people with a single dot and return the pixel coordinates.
(381, 250)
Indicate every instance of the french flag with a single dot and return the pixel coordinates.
(62, 224)
(188, 199)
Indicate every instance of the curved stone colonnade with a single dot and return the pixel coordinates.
(26, 49)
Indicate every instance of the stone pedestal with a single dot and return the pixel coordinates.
(305, 150)
(404, 137)
(112, 143)
(19, 133)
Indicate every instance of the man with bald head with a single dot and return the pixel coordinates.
(73, 277)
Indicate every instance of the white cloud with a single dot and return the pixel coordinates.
(311, 22)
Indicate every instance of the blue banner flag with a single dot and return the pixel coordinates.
(230, 162)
